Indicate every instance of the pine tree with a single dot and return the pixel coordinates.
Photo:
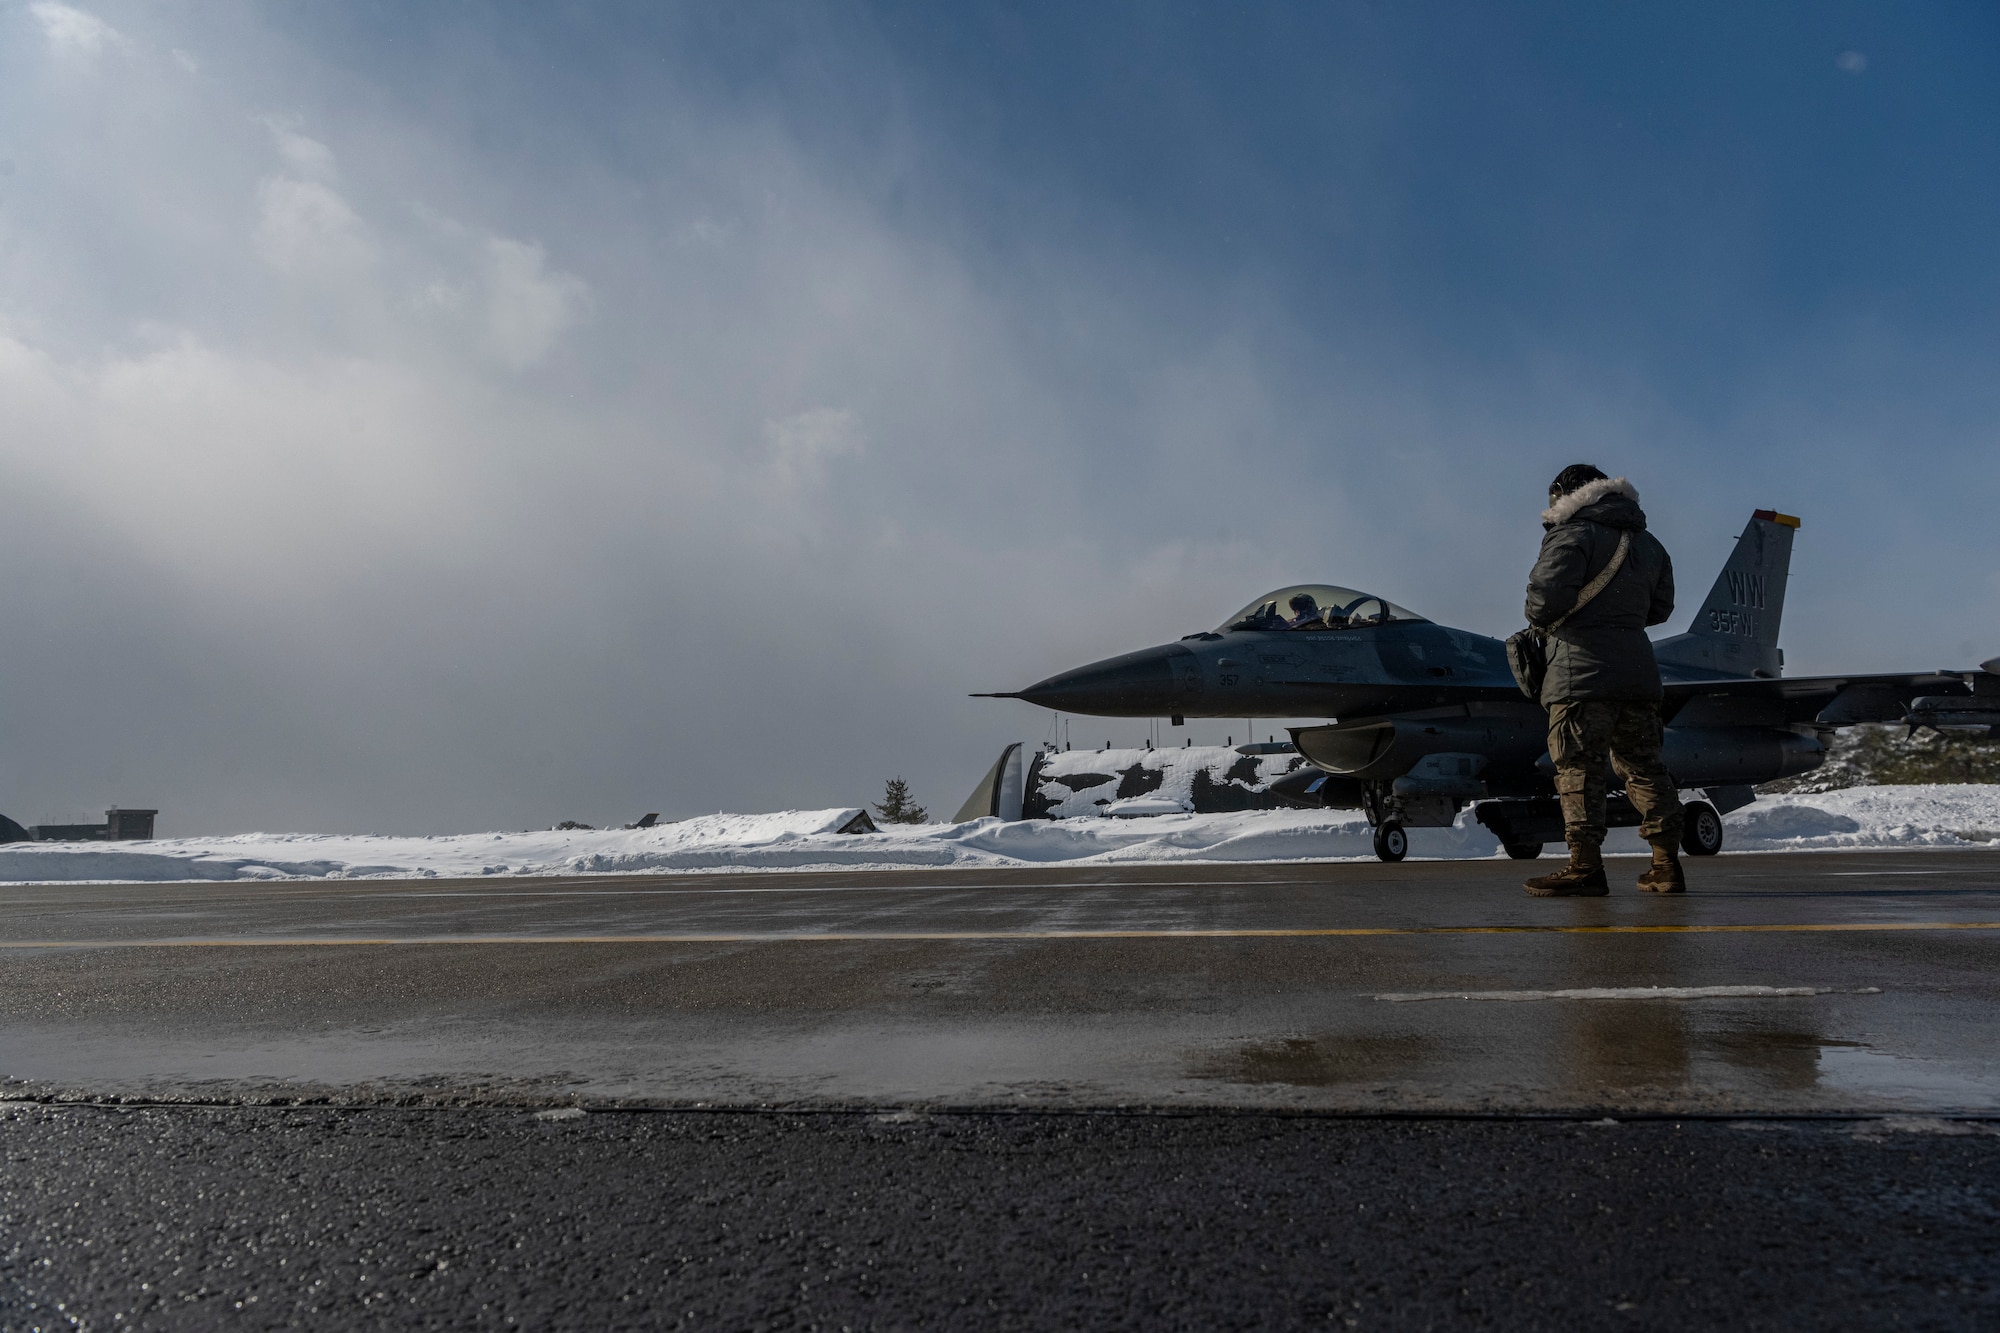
(897, 807)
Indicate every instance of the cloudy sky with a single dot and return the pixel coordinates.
(470, 415)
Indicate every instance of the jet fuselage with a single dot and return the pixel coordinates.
(1364, 670)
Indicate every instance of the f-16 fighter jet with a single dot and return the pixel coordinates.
(1425, 720)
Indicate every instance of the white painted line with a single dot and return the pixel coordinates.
(356, 890)
(1631, 993)
(826, 888)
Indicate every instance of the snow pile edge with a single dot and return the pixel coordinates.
(1966, 816)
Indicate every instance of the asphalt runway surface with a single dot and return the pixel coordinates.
(1352, 1095)
(1802, 984)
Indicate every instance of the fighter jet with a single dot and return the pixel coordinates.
(1424, 720)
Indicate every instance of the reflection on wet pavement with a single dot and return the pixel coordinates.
(1852, 1068)
(1625, 1045)
(1619, 1053)
(1789, 1061)
(1319, 1062)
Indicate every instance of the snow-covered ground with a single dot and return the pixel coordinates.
(1917, 816)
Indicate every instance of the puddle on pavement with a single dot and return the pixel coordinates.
(1317, 1062)
(1787, 1061)
(1645, 1050)
(1859, 1069)
(1631, 1046)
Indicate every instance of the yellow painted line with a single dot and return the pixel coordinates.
(950, 936)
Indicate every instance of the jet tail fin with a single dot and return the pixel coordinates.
(1736, 629)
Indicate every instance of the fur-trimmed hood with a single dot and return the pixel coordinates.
(1590, 493)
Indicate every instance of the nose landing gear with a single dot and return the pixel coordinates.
(1392, 816)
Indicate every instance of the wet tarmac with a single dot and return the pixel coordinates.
(1784, 984)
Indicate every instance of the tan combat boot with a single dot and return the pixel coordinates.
(1664, 875)
(1583, 877)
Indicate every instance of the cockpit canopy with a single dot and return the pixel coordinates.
(1316, 606)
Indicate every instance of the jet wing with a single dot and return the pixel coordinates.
(1780, 701)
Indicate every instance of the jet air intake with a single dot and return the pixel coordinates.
(1387, 748)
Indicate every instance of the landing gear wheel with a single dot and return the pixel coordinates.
(1701, 829)
(1391, 842)
(1523, 851)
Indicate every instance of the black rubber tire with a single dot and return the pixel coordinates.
(1701, 829)
(1392, 843)
(1523, 851)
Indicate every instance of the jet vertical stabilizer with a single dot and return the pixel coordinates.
(1001, 792)
(1736, 631)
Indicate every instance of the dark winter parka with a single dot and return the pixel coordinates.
(1602, 652)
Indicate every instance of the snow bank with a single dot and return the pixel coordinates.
(1927, 816)
(705, 843)
(1934, 815)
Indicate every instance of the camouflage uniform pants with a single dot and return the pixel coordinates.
(1581, 736)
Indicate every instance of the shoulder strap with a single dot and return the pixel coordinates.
(1601, 582)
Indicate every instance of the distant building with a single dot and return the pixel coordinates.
(118, 826)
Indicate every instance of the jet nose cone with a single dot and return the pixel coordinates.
(1141, 684)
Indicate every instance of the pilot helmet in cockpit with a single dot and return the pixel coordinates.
(1305, 610)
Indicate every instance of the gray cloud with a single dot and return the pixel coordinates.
(367, 475)
(72, 33)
